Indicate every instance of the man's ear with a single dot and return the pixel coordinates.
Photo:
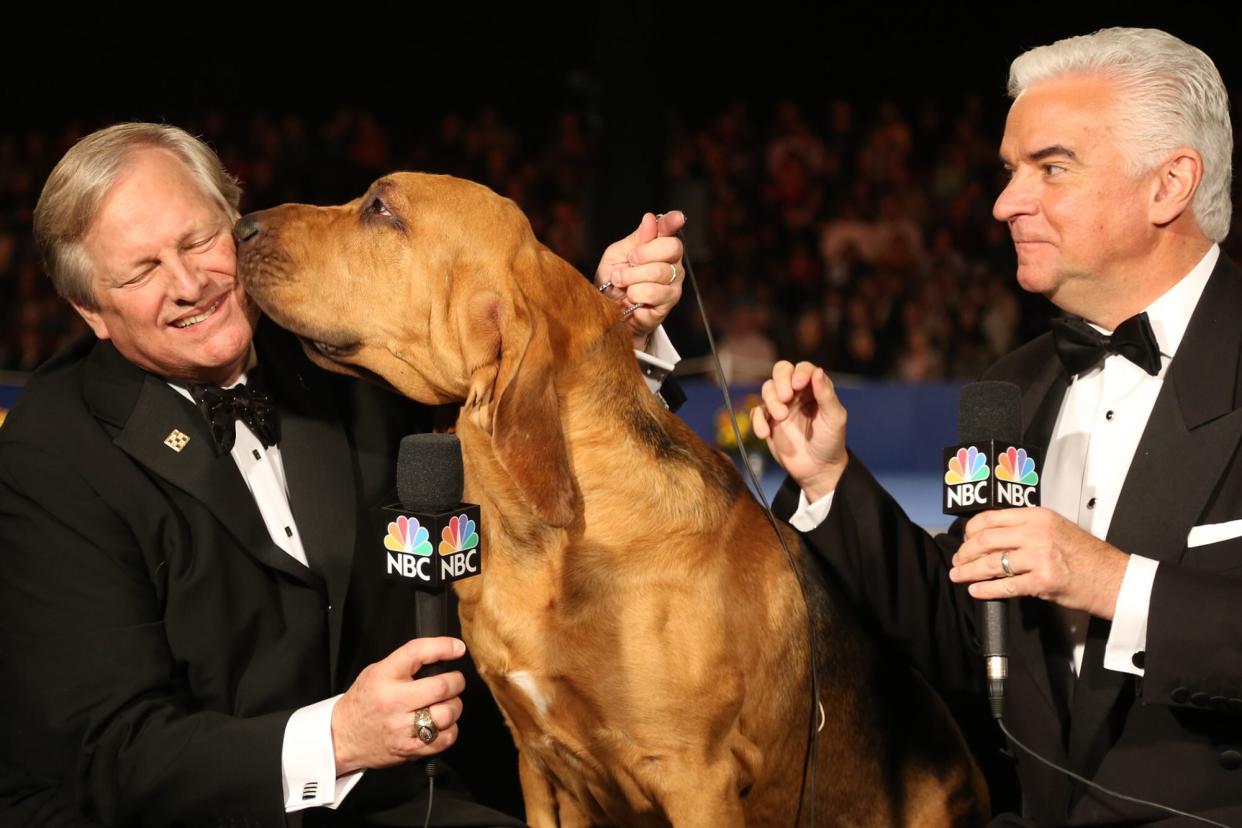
(94, 319)
(1180, 176)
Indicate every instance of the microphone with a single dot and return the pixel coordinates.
(990, 469)
(435, 538)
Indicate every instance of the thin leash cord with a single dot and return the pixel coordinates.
(811, 756)
(1098, 787)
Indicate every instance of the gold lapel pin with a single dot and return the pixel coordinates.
(176, 440)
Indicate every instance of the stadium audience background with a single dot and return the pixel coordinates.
(858, 236)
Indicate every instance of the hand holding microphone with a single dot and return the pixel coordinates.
(989, 470)
(373, 724)
(406, 706)
(1050, 558)
(1013, 552)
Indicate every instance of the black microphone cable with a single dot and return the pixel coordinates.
(1098, 787)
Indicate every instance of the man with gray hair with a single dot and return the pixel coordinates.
(194, 632)
(1126, 642)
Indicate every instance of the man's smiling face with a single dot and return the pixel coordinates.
(165, 285)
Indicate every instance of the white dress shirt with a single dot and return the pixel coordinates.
(307, 759)
(1097, 431)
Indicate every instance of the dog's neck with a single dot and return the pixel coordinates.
(627, 455)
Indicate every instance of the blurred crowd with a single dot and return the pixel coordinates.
(858, 236)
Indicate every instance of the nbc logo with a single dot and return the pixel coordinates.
(1015, 466)
(1016, 478)
(406, 535)
(409, 550)
(459, 535)
(966, 481)
(411, 555)
(967, 466)
(459, 548)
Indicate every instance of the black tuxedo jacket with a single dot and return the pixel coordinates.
(1173, 736)
(155, 640)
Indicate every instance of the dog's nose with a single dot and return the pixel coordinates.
(247, 228)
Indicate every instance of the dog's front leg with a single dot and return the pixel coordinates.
(705, 799)
(547, 806)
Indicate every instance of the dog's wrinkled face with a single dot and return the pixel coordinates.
(399, 283)
(437, 287)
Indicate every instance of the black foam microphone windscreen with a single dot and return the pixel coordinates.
(990, 411)
(429, 472)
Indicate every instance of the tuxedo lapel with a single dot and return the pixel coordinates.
(146, 415)
(1190, 437)
(319, 469)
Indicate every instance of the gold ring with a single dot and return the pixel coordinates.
(673, 278)
(424, 726)
(1005, 564)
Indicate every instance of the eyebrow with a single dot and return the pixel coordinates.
(1055, 150)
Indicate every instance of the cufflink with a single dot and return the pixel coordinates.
(655, 372)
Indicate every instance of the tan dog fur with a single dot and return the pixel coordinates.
(637, 621)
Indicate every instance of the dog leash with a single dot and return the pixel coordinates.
(817, 719)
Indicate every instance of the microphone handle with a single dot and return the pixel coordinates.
(995, 654)
(431, 610)
(432, 613)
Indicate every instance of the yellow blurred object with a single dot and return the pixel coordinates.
(725, 437)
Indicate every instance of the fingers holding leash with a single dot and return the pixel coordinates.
(644, 272)
(652, 278)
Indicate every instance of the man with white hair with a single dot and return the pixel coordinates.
(195, 626)
(1125, 639)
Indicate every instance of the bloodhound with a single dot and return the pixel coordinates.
(637, 620)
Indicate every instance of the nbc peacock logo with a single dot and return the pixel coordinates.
(411, 550)
(1015, 466)
(406, 535)
(967, 466)
(459, 535)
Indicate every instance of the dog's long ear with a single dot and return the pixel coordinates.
(512, 396)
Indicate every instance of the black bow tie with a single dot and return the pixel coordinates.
(1081, 346)
(223, 407)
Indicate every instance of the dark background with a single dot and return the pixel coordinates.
(595, 113)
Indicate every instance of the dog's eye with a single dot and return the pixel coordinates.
(377, 208)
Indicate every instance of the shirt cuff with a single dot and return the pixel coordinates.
(1127, 640)
(810, 515)
(658, 360)
(308, 762)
